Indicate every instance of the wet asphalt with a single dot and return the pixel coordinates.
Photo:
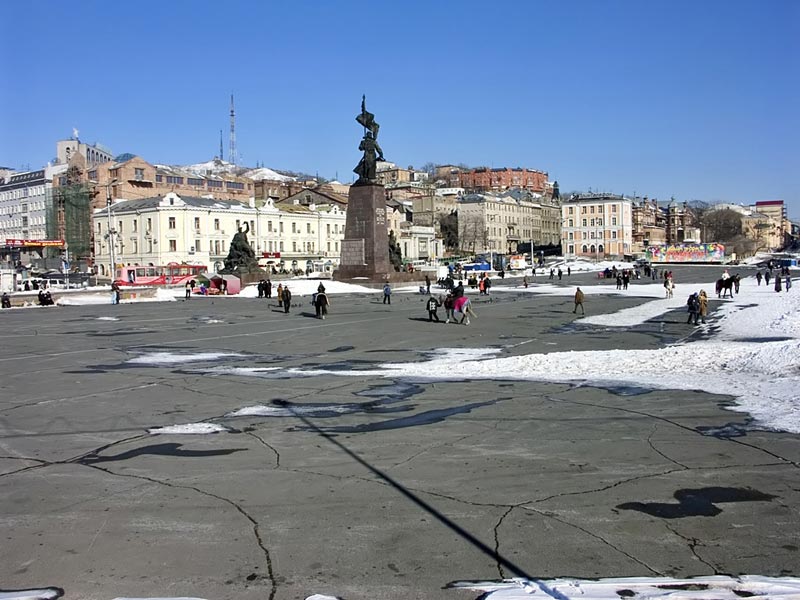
(361, 487)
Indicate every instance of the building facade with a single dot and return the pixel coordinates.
(184, 229)
(93, 154)
(498, 223)
(25, 210)
(597, 226)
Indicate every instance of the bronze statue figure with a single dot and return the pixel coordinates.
(241, 257)
(366, 168)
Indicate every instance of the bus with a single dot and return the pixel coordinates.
(171, 274)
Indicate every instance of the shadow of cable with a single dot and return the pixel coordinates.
(501, 560)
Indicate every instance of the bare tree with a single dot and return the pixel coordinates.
(473, 235)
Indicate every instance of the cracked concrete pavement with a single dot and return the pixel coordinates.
(537, 479)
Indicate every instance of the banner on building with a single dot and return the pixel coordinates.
(682, 253)
(29, 243)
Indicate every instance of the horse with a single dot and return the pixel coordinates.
(726, 286)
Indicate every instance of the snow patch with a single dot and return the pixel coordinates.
(170, 358)
(42, 594)
(188, 428)
(639, 588)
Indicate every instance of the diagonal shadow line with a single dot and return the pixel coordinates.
(502, 561)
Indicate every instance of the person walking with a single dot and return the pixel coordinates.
(569, 271)
(703, 304)
(427, 285)
(525, 281)
(432, 305)
(268, 288)
(487, 285)
(560, 273)
(578, 302)
(758, 277)
(788, 282)
(778, 287)
(387, 293)
(321, 302)
(261, 288)
(188, 290)
(286, 297)
(767, 276)
(693, 308)
(6, 302)
(280, 295)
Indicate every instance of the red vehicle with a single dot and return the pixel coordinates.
(171, 274)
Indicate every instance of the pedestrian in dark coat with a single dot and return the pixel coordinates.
(693, 308)
(286, 297)
(758, 277)
(268, 288)
(427, 285)
(321, 303)
(778, 287)
(432, 305)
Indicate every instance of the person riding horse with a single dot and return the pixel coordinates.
(727, 286)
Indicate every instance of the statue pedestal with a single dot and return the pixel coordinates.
(365, 248)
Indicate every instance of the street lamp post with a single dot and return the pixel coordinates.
(111, 230)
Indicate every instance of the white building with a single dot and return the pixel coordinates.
(182, 229)
(597, 226)
(24, 202)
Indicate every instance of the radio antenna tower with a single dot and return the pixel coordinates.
(221, 157)
(232, 149)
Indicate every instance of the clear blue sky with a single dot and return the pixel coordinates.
(696, 99)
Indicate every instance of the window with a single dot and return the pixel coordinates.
(173, 245)
(216, 246)
(584, 249)
(252, 227)
(613, 208)
(238, 224)
(583, 222)
(135, 225)
(328, 230)
(600, 248)
(281, 228)
(172, 222)
(269, 226)
(591, 222)
(294, 227)
(281, 250)
(138, 174)
(197, 245)
(194, 181)
(149, 225)
(214, 183)
(583, 210)
(308, 227)
(329, 246)
(216, 226)
(174, 180)
(159, 178)
(613, 235)
(599, 222)
(197, 222)
(571, 249)
(591, 209)
(234, 185)
(119, 226)
(570, 235)
(613, 220)
(570, 224)
(294, 246)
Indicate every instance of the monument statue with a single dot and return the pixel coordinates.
(241, 257)
(366, 167)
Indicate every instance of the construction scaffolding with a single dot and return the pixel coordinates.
(69, 217)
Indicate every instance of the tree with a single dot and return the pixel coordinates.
(448, 226)
(473, 235)
(723, 226)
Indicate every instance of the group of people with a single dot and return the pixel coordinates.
(697, 307)
(782, 279)
(265, 288)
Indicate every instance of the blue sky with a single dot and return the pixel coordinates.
(693, 99)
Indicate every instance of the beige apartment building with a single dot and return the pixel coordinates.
(194, 230)
(597, 226)
(491, 223)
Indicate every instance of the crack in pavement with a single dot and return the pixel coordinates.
(692, 544)
(497, 540)
(595, 536)
(659, 452)
(228, 501)
(260, 439)
(671, 422)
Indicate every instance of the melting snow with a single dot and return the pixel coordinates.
(188, 428)
(170, 358)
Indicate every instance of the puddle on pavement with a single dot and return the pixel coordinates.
(700, 502)
(424, 418)
(342, 349)
(729, 430)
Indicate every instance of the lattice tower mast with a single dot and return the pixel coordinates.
(232, 149)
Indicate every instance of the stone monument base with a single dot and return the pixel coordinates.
(365, 248)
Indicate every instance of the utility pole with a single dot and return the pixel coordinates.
(111, 232)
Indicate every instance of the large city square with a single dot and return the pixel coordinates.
(220, 448)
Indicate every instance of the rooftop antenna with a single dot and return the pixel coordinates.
(221, 157)
(232, 149)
